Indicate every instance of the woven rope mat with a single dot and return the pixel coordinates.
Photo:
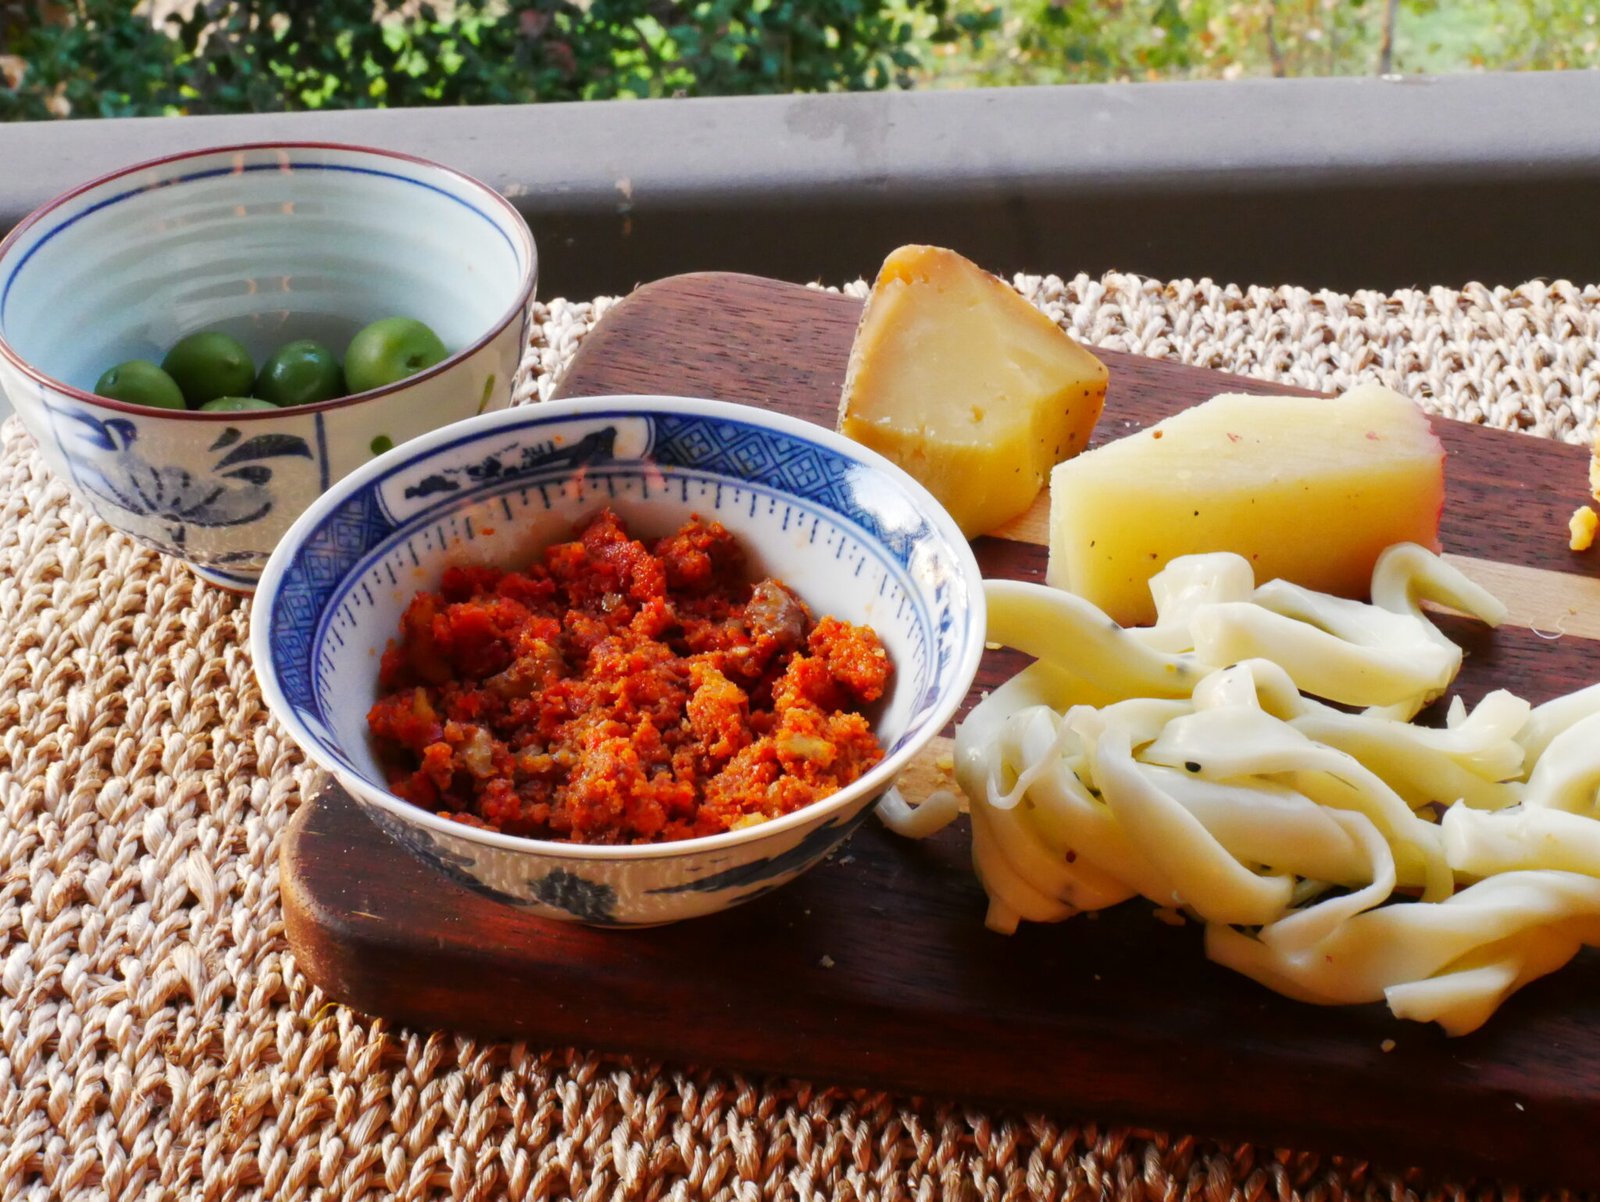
(158, 1041)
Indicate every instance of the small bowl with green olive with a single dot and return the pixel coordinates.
(266, 319)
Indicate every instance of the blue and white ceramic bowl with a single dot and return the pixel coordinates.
(269, 243)
(850, 532)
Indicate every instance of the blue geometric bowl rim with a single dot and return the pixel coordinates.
(880, 778)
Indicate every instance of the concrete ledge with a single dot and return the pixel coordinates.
(1342, 183)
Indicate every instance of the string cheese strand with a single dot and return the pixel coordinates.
(1178, 763)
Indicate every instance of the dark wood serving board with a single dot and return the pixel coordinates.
(875, 969)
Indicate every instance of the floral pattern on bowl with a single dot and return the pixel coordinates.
(268, 243)
(163, 500)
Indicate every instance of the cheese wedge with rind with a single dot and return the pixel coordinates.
(1309, 489)
(967, 386)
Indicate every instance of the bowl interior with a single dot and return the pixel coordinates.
(267, 243)
(852, 537)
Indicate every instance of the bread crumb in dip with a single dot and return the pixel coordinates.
(614, 692)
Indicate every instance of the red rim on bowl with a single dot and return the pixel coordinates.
(513, 313)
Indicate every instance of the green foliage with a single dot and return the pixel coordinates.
(96, 58)
(1062, 41)
(1445, 35)
(231, 56)
(101, 64)
(1068, 41)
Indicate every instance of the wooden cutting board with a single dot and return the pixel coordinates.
(875, 969)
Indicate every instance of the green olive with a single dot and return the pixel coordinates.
(388, 350)
(300, 373)
(140, 382)
(208, 365)
(235, 404)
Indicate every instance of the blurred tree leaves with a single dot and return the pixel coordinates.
(99, 58)
(1066, 41)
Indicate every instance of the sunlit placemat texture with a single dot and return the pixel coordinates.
(158, 1041)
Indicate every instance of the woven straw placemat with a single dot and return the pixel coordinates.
(158, 1041)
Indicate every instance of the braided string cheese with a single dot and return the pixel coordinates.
(1451, 962)
(1192, 763)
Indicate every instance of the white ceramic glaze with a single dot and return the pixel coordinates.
(269, 243)
(854, 535)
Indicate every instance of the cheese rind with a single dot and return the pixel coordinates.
(1309, 489)
(967, 386)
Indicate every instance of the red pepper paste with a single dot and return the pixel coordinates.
(614, 692)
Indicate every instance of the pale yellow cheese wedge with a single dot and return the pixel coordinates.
(1309, 489)
(967, 386)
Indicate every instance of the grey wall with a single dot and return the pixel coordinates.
(1336, 183)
